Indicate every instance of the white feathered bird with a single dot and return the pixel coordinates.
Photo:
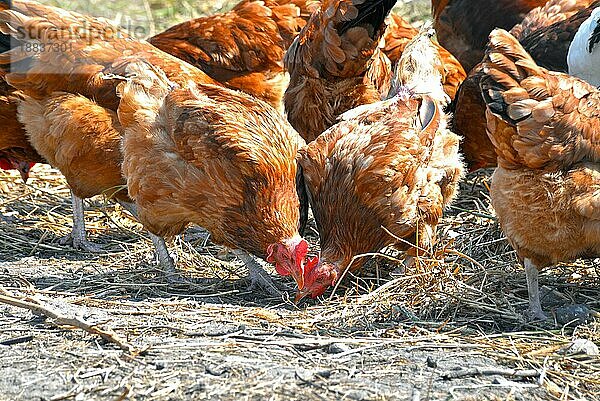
(583, 58)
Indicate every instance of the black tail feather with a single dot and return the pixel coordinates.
(371, 12)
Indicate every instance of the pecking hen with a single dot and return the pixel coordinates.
(387, 167)
(545, 129)
(183, 149)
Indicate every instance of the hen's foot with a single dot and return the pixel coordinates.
(77, 238)
(166, 261)
(535, 315)
(258, 277)
(76, 241)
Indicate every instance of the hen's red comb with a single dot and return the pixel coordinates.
(310, 265)
(301, 249)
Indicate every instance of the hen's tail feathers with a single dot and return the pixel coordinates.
(370, 13)
(506, 65)
(551, 117)
(418, 69)
(339, 38)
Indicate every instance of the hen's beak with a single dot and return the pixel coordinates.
(24, 168)
(300, 295)
(299, 277)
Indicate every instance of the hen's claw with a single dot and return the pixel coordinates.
(77, 237)
(257, 275)
(535, 315)
(76, 242)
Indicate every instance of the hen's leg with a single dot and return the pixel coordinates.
(164, 258)
(535, 311)
(77, 238)
(257, 275)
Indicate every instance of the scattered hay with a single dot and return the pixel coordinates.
(467, 300)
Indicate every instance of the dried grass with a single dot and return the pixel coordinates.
(463, 303)
(469, 298)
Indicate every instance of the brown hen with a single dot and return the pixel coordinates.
(545, 127)
(243, 48)
(550, 30)
(15, 150)
(342, 59)
(463, 26)
(75, 131)
(329, 60)
(386, 167)
(199, 154)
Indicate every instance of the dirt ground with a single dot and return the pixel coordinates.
(451, 328)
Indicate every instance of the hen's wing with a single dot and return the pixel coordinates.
(546, 120)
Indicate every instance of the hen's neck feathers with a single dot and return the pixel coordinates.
(418, 69)
(584, 53)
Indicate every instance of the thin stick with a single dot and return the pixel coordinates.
(489, 371)
(37, 306)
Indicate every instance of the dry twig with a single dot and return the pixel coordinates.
(59, 319)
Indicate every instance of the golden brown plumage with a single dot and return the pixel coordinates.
(15, 150)
(227, 162)
(545, 127)
(397, 35)
(391, 164)
(323, 87)
(328, 63)
(67, 100)
(547, 32)
(198, 154)
(463, 26)
(243, 48)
